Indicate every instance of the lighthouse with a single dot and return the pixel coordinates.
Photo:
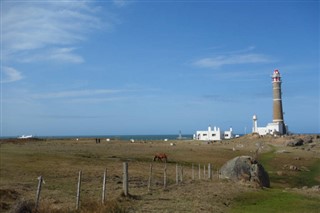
(277, 127)
(277, 101)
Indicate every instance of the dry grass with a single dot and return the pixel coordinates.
(59, 161)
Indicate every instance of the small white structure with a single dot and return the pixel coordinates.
(271, 129)
(213, 135)
(228, 134)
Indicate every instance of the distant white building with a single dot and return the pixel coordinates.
(213, 135)
(228, 134)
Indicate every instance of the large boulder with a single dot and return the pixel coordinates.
(245, 168)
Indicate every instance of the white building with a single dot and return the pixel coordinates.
(213, 135)
(271, 129)
(228, 134)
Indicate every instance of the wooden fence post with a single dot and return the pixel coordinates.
(204, 171)
(177, 174)
(38, 192)
(209, 171)
(78, 190)
(181, 174)
(192, 172)
(199, 172)
(125, 179)
(150, 178)
(165, 176)
(104, 186)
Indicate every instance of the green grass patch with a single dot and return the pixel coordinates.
(266, 158)
(272, 162)
(275, 200)
(311, 177)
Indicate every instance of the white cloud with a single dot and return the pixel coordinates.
(30, 29)
(65, 54)
(221, 60)
(55, 54)
(10, 74)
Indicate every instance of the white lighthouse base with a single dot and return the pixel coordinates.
(274, 128)
(270, 129)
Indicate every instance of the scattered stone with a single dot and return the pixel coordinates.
(307, 139)
(295, 142)
(294, 168)
(312, 145)
(305, 169)
(315, 188)
(297, 158)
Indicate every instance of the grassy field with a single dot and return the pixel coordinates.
(59, 161)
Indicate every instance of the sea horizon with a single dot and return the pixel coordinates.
(116, 136)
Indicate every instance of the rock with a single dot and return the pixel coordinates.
(295, 142)
(307, 139)
(294, 168)
(245, 168)
(305, 169)
(315, 188)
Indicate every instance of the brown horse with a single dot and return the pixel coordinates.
(160, 157)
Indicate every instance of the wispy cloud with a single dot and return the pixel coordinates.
(231, 59)
(55, 54)
(10, 74)
(51, 29)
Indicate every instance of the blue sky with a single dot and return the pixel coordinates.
(156, 67)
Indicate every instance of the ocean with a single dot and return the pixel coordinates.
(120, 137)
